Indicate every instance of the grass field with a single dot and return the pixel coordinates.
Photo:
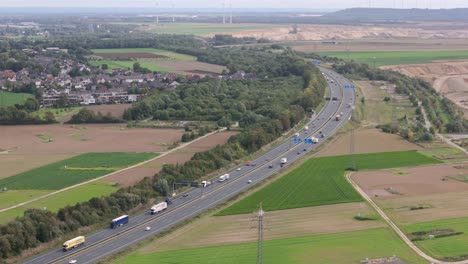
(320, 181)
(398, 57)
(149, 63)
(72, 171)
(349, 247)
(442, 248)
(57, 201)
(10, 99)
(116, 64)
(170, 54)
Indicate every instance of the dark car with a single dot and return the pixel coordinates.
(270, 166)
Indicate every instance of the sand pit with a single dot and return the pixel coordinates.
(132, 176)
(68, 139)
(367, 141)
(449, 78)
(424, 180)
(211, 231)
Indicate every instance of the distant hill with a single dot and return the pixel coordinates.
(390, 14)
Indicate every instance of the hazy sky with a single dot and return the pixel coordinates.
(315, 4)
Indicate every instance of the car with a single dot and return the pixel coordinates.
(270, 166)
(249, 181)
(148, 228)
(298, 152)
(185, 194)
(72, 261)
(304, 149)
(239, 169)
(253, 164)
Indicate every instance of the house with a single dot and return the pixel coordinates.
(173, 85)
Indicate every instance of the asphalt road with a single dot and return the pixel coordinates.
(197, 200)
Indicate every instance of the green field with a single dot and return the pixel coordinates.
(349, 247)
(397, 57)
(202, 29)
(320, 181)
(57, 201)
(10, 99)
(72, 171)
(149, 63)
(451, 246)
(116, 64)
(170, 54)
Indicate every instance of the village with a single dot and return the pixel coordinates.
(61, 78)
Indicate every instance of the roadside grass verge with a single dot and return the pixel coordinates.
(320, 181)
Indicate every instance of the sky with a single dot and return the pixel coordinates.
(290, 4)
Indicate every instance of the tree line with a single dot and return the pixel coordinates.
(22, 114)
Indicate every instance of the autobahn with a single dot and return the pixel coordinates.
(197, 200)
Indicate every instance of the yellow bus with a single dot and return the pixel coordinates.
(73, 243)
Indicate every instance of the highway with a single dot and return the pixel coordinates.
(198, 200)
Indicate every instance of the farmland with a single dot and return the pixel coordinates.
(352, 247)
(71, 171)
(320, 181)
(10, 99)
(153, 59)
(449, 248)
(398, 57)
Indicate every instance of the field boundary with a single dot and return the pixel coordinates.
(395, 228)
(110, 174)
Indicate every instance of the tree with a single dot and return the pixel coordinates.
(104, 67)
(50, 117)
(31, 105)
(136, 67)
(162, 187)
(5, 247)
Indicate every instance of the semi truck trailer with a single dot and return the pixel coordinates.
(121, 220)
(73, 243)
(158, 208)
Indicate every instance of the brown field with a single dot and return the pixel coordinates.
(132, 55)
(424, 180)
(191, 67)
(180, 156)
(210, 231)
(68, 139)
(440, 206)
(367, 141)
(449, 78)
(11, 164)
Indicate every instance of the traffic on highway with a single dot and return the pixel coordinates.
(337, 110)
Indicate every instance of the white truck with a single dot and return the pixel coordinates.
(306, 128)
(223, 177)
(297, 135)
(158, 208)
(284, 161)
(206, 183)
(315, 140)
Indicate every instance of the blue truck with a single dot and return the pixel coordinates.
(121, 220)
